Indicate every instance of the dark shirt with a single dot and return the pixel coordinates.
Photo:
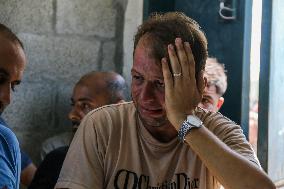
(48, 171)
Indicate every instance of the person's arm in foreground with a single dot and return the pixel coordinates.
(28, 169)
(182, 95)
(27, 174)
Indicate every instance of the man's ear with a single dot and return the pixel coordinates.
(220, 102)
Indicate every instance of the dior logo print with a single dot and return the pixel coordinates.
(125, 179)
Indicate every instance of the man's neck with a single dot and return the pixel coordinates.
(164, 133)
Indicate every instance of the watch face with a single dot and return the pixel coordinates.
(193, 120)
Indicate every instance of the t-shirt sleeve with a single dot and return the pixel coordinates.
(232, 135)
(83, 165)
(9, 159)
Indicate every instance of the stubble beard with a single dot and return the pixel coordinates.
(153, 122)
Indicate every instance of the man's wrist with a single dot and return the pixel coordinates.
(191, 122)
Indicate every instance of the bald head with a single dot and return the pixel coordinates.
(94, 90)
(7, 34)
(110, 84)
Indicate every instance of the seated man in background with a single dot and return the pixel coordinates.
(216, 85)
(92, 91)
(12, 65)
(64, 139)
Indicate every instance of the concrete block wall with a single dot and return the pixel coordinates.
(63, 39)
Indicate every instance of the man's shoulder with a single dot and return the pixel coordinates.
(215, 120)
(7, 136)
(119, 110)
(110, 119)
(9, 158)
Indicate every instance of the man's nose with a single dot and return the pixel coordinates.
(74, 116)
(147, 92)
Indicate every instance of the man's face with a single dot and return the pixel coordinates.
(147, 86)
(12, 64)
(211, 100)
(85, 99)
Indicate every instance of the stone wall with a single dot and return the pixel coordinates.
(63, 39)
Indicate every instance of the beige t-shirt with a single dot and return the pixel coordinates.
(112, 149)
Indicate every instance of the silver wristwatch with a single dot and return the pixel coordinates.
(191, 122)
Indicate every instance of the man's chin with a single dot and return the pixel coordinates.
(154, 122)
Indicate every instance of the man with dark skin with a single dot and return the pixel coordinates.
(162, 139)
(92, 91)
(12, 65)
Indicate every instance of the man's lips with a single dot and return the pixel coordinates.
(151, 111)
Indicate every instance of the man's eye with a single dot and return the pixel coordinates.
(14, 84)
(137, 77)
(85, 106)
(205, 100)
(13, 88)
(160, 83)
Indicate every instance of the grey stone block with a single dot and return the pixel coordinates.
(31, 107)
(63, 106)
(60, 59)
(108, 62)
(33, 16)
(40, 106)
(86, 17)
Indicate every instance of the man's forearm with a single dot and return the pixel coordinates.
(230, 168)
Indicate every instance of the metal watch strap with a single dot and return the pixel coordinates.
(184, 129)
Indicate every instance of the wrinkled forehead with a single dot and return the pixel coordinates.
(90, 88)
(155, 47)
(146, 44)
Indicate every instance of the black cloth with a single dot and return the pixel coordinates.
(48, 172)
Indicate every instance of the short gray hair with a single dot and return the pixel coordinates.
(216, 75)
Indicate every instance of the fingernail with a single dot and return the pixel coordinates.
(170, 46)
(187, 44)
(178, 40)
(164, 60)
